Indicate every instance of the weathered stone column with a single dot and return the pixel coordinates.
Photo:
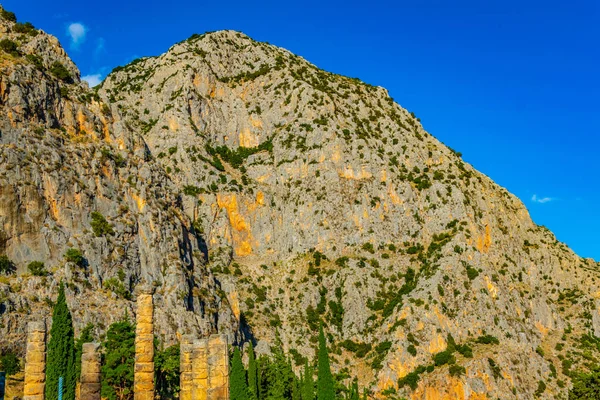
(200, 369)
(143, 378)
(218, 368)
(35, 362)
(90, 372)
(186, 378)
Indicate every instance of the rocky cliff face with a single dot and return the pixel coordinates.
(65, 155)
(250, 187)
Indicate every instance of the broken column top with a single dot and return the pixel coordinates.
(142, 289)
(90, 347)
(36, 326)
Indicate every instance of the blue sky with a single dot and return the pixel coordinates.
(513, 85)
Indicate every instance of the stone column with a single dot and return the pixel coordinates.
(90, 372)
(143, 378)
(218, 368)
(35, 362)
(186, 378)
(200, 369)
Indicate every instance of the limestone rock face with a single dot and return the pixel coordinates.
(257, 194)
(65, 156)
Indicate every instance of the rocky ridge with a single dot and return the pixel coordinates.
(253, 189)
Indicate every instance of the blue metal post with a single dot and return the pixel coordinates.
(60, 388)
(2, 384)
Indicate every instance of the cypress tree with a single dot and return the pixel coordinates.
(263, 384)
(354, 393)
(252, 374)
(238, 388)
(276, 377)
(308, 384)
(325, 389)
(61, 351)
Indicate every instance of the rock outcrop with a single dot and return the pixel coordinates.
(257, 193)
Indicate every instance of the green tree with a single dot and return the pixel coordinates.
(61, 350)
(9, 363)
(9, 47)
(100, 225)
(308, 383)
(252, 373)
(586, 386)
(117, 369)
(325, 388)
(238, 388)
(354, 392)
(6, 265)
(86, 336)
(166, 368)
(9, 16)
(61, 72)
(75, 256)
(37, 268)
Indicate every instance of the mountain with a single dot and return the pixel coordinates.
(261, 196)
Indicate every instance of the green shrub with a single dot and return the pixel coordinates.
(75, 256)
(540, 351)
(10, 47)
(9, 16)
(444, 357)
(472, 273)
(26, 28)
(10, 364)
(37, 268)
(100, 225)
(35, 60)
(368, 247)
(412, 379)
(585, 385)
(457, 370)
(191, 190)
(6, 265)
(61, 72)
(465, 350)
(342, 261)
(487, 339)
(117, 287)
(495, 368)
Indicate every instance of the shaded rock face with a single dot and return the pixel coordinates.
(253, 189)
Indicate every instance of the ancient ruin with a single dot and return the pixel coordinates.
(200, 369)
(90, 372)
(218, 368)
(186, 383)
(143, 380)
(208, 361)
(35, 362)
(204, 363)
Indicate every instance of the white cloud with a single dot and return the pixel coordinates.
(541, 200)
(77, 32)
(92, 80)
